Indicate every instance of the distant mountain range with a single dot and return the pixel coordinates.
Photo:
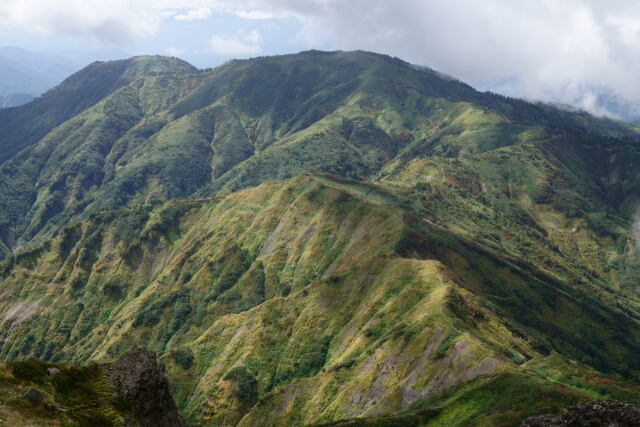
(25, 75)
(334, 238)
(15, 99)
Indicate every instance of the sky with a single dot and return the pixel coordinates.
(584, 53)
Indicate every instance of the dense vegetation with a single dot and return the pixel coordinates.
(321, 237)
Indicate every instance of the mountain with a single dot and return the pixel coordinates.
(25, 125)
(324, 238)
(25, 75)
(175, 134)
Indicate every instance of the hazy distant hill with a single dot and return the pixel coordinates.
(619, 107)
(15, 99)
(25, 75)
(324, 236)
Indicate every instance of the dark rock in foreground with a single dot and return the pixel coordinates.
(609, 413)
(136, 377)
(34, 396)
(132, 391)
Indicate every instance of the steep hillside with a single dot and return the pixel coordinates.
(25, 125)
(328, 238)
(163, 136)
(316, 299)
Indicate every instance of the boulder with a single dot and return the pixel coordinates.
(137, 377)
(34, 396)
(609, 413)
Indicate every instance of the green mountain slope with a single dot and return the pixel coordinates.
(313, 300)
(455, 258)
(25, 125)
(246, 122)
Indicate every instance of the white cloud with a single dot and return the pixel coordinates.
(554, 50)
(241, 44)
(564, 51)
(194, 14)
(113, 21)
(174, 51)
(255, 14)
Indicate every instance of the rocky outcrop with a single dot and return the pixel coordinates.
(132, 391)
(137, 378)
(609, 413)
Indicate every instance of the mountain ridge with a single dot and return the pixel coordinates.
(106, 281)
(251, 131)
(103, 78)
(327, 236)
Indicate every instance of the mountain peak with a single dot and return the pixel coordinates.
(147, 64)
(76, 93)
(131, 68)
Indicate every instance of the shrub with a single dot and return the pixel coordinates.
(78, 282)
(183, 357)
(444, 345)
(463, 309)
(375, 331)
(245, 386)
(111, 290)
(30, 370)
(151, 314)
(306, 363)
(6, 265)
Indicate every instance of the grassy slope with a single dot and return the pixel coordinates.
(175, 135)
(76, 396)
(25, 125)
(313, 300)
(490, 250)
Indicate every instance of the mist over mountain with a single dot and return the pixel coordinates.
(25, 75)
(618, 107)
(322, 238)
(597, 100)
(15, 99)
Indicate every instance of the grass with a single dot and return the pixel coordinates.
(81, 391)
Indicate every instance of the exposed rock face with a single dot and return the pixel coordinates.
(606, 413)
(138, 378)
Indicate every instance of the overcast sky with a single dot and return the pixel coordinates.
(553, 50)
